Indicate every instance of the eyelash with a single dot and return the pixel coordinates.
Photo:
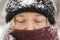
(38, 21)
(21, 21)
(34, 20)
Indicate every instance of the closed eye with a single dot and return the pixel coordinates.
(38, 20)
(20, 21)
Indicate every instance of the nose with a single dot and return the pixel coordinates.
(29, 25)
(29, 28)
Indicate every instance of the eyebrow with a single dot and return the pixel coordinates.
(24, 16)
(21, 15)
(37, 15)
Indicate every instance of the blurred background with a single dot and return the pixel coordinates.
(2, 13)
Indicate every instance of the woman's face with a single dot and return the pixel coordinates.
(30, 21)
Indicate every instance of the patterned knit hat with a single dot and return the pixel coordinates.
(44, 7)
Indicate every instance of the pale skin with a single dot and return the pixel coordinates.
(30, 21)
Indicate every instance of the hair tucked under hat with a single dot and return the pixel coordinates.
(44, 7)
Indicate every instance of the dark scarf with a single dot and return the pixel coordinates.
(46, 33)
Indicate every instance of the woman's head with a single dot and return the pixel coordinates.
(28, 15)
(32, 26)
(44, 7)
(30, 21)
(24, 13)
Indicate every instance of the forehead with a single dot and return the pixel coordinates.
(28, 14)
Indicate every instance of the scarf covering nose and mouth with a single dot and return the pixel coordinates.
(46, 33)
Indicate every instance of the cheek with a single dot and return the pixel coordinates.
(40, 25)
(19, 26)
(43, 24)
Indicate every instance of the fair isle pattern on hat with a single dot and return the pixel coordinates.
(44, 7)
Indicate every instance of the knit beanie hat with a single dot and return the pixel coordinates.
(44, 7)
